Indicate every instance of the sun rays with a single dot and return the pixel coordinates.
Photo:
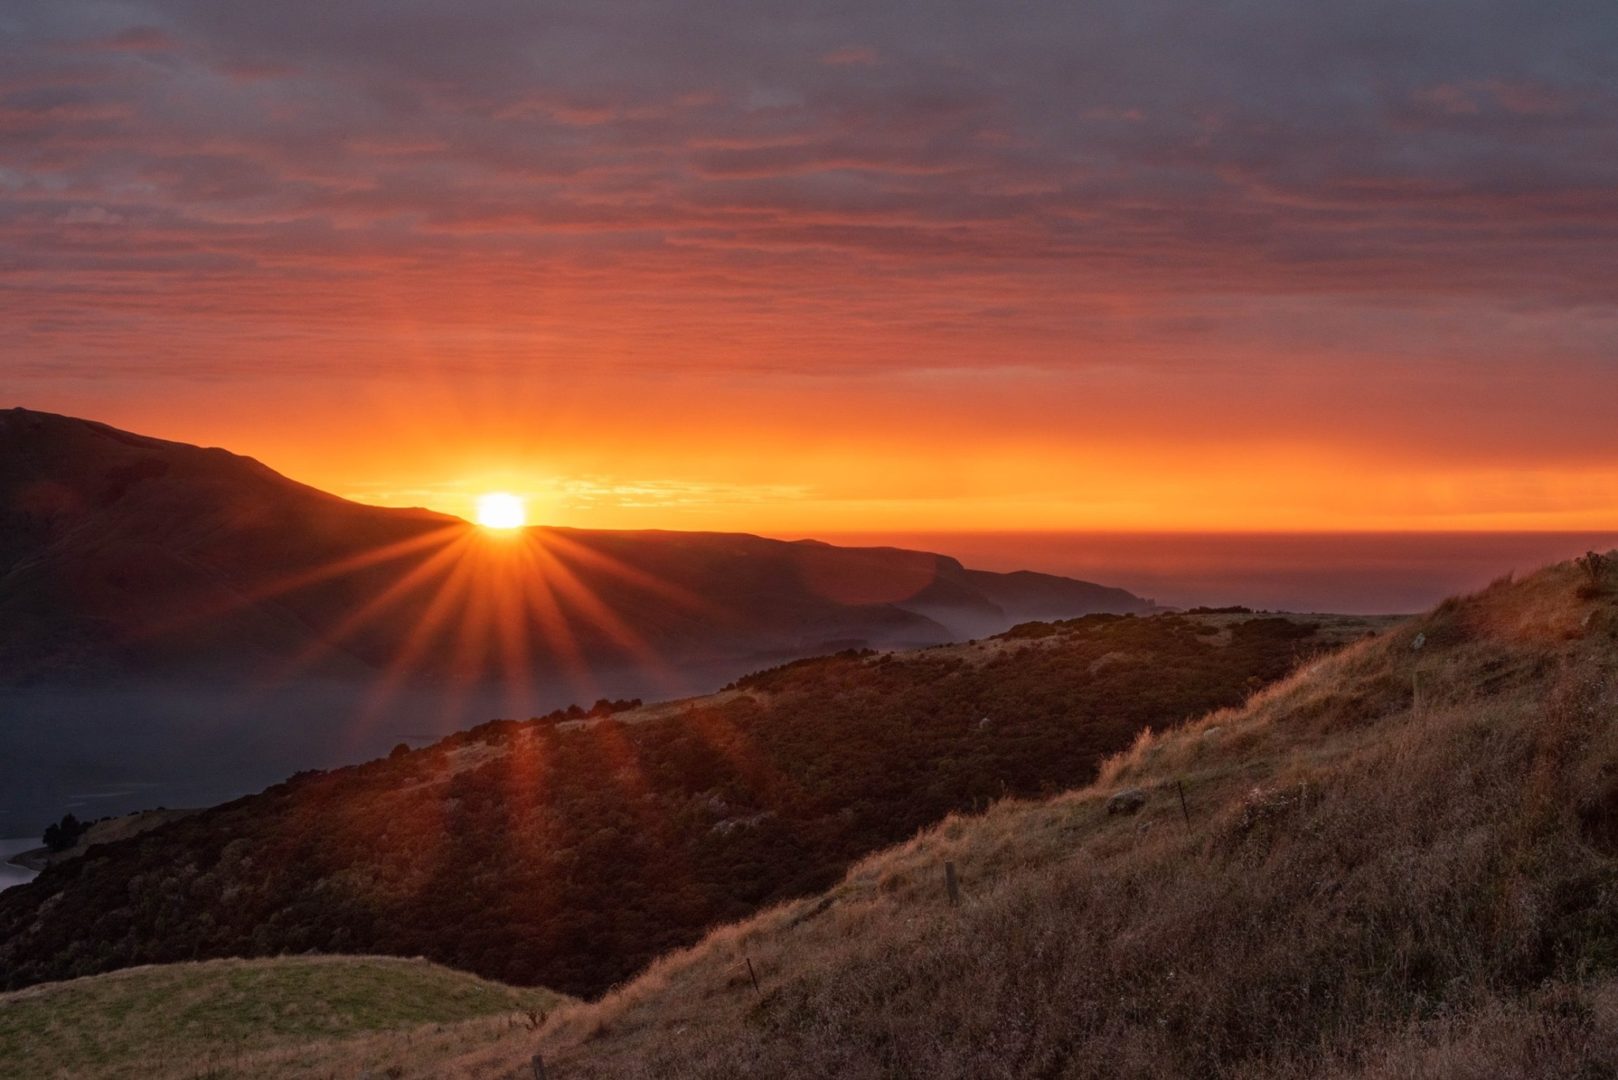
(526, 613)
(457, 623)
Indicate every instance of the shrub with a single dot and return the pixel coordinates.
(64, 834)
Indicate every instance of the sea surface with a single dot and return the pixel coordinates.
(15, 875)
(1351, 573)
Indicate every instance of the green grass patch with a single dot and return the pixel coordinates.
(143, 1021)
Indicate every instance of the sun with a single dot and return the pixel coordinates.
(498, 510)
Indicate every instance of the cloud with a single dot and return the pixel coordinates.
(849, 56)
(770, 189)
(136, 39)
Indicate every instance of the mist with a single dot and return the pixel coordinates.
(107, 750)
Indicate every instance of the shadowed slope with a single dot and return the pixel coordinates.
(1402, 862)
(570, 852)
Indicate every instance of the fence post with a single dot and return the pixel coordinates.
(539, 1067)
(1185, 811)
(952, 884)
(752, 975)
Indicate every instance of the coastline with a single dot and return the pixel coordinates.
(34, 860)
(12, 871)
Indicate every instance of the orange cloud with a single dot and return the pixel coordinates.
(1115, 267)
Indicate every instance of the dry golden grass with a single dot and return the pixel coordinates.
(1401, 862)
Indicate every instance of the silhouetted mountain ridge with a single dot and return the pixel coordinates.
(123, 555)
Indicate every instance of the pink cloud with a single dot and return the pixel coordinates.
(850, 56)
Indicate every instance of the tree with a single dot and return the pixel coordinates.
(64, 834)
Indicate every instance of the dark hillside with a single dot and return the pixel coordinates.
(571, 853)
(193, 625)
(123, 556)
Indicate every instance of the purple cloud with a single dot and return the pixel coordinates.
(813, 186)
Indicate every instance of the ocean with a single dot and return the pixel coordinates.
(1352, 573)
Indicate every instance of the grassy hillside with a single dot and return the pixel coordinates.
(257, 1018)
(1402, 863)
(570, 855)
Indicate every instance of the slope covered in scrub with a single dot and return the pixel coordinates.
(1401, 862)
(570, 853)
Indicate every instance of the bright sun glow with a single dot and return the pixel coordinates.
(501, 511)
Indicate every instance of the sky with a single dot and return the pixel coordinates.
(811, 268)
